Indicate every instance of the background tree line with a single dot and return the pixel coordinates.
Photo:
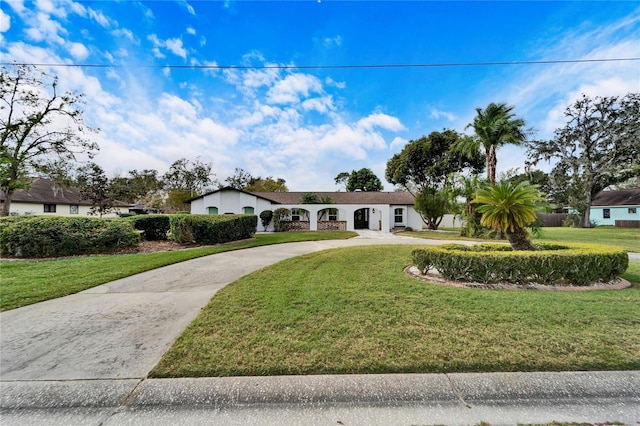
(42, 132)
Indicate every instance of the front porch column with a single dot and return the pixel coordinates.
(313, 219)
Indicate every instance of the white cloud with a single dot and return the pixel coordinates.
(78, 51)
(437, 114)
(542, 92)
(322, 105)
(188, 7)
(331, 82)
(382, 121)
(175, 46)
(46, 29)
(123, 32)
(99, 17)
(330, 42)
(18, 7)
(397, 143)
(191, 30)
(5, 22)
(293, 87)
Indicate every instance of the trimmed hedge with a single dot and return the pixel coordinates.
(571, 264)
(212, 229)
(40, 236)
(154, 226)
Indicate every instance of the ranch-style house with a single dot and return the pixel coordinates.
(349, 211)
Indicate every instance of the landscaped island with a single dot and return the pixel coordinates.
(549, 264)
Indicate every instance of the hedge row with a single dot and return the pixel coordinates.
(212, 229)
(40, 236)
(575, 264)
(154, 226)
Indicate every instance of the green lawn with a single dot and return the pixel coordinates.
(353, 310)
(628, 239)
(27, 282)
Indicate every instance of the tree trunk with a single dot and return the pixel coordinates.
(519, 239)
(6, 206)
(586, 217)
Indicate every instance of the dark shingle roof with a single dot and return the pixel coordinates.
(45, 191)
(622, 197)
(358, 197)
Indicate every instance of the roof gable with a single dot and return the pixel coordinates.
(230, 188)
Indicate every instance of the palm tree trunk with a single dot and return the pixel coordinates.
(519, 239)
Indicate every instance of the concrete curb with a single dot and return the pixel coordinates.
(377, 389)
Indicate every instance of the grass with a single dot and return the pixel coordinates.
(626, 238)
(32, 281)
(353, 310)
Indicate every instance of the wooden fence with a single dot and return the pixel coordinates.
(552, 219)
(627, 223)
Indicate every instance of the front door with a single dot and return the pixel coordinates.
(361, 219)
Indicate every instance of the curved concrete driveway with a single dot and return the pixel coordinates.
(121, 329)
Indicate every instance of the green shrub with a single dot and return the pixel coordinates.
(155, 226)
(212, 229)
(265, 218)
(575, 264)
(40, 236)
(279, 224)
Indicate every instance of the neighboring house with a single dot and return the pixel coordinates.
(609, 206)
(45, 197)
(380, 211)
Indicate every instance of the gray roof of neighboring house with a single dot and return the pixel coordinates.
(621, 197)
(45, 191)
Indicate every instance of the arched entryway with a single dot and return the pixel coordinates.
(361, 219)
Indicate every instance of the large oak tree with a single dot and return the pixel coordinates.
(598, 147)
(37, 125)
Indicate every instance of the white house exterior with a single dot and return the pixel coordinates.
(609, 206)
(380, 211)
(48, 199)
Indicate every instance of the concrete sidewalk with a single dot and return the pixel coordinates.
(84, 358)
(401, 399)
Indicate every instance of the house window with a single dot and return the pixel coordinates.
(632, 210)
(212, 210)
(49, 208)
(398, 215)
(73, 209)
(295, 214)
(333, 214)
(248, 210)
(606, 213)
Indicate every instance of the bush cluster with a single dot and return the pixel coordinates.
(40, 236)
(154, 226)
(574, 264)
(212, 229)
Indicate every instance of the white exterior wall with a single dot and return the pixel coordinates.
(451, 221)
(410, 217)
(61, 210)
(381, 216)
(616, 213)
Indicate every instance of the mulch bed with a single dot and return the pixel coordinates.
(436, 278)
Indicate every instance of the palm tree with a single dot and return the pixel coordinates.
(494, 126)
(511, 209)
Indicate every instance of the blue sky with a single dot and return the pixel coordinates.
(306, 125)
